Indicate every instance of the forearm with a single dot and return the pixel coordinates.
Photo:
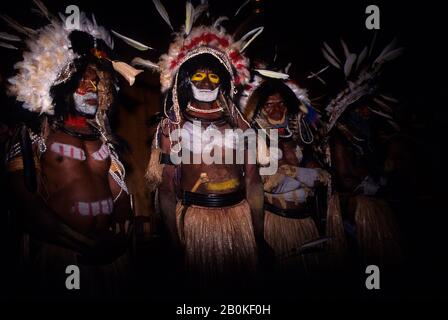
(167, 202)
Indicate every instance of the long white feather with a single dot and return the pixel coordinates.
(387, 98)
(7, 45)
(381, 114)
(133, 43)
(386, 50)
(43, 10)
(145, 63)
(163, 13)
(254, 33)
(288, 67)
(218, 22)
(189, 13)
(273, 74)
(349, 64)
(9, 37)
(241, 7)
(361, 57)
(388, 56)
(330, 59)
(17, 26)
(383, 105)
(331, 53)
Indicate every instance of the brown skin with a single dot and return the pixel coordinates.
(275, 110)
(248, 175)
(68, 181)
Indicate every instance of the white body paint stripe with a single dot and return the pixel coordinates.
(68, 151)
(94, 208)
(102, 154)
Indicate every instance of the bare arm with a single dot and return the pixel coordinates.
(167, 196)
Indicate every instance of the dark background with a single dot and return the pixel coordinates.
(296, 30)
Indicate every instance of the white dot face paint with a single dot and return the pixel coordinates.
(204, 95)
(86, 103)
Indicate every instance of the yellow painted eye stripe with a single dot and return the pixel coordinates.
(199, 76)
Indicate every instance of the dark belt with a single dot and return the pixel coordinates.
(212, 200)
(286, 213)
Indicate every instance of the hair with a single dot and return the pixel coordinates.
(207, 61)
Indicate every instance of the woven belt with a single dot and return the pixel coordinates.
(212, 200)
(286, 213)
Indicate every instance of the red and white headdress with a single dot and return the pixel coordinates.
(193, 41)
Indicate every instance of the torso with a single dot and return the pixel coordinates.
(223, 178)
(290, 156)
(78, 189)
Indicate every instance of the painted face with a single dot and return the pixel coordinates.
(85, 96)
(275, 109)
(205, 85)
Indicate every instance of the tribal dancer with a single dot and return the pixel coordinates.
(272, 102)
(67, 181)
(359, 124)
(213, 210)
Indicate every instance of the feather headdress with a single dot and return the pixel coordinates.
(192, 41)
(48, 59)
(361, 72)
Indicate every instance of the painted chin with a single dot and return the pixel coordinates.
(276, 119)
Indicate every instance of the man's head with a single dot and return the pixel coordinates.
(201, 79)
(85, 97)
(274, 109)
(205, 85)
(275, 101)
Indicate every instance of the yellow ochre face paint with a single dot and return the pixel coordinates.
(199, 76)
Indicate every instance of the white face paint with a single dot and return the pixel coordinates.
(204, 95)
(86, 103)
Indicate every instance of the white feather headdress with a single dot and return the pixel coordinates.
(48, 58)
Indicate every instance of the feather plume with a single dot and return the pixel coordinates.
(43, 10)
(9, 37)
(254, 33)
(387, 98)
(388, 56)
(218, 22)
(8, 46)
(382, 114)
(383, 105)
(133, 43)
(288, 67)
(272, 74)
(331, 53)
(349, 64)
(128, 72)
(361, 57)
(163, 13)
(17, 26)
(330, 59)
(241, 7)
(346, 50)
(145, 63)
(189, 13)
